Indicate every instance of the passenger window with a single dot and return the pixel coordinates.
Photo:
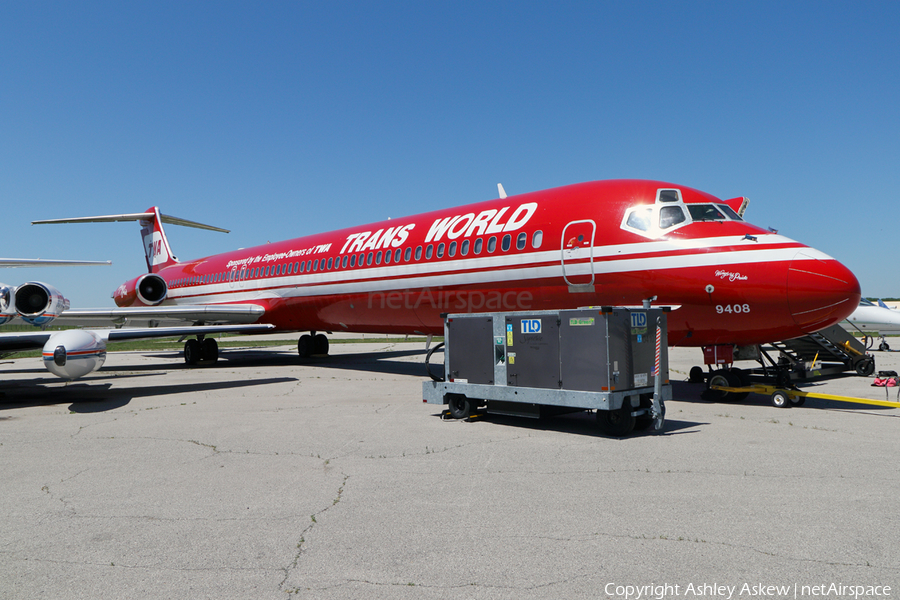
(378, 257)
(369, 259)
(418, 252)
(344, 262)
(330, 263)
(428, 252)
(670, 216)
(407, 254)
(308, 265)
(464, 248)
(353, 261)
(451, 250)
(492, 244)
(640, 219)
(315, 266)
(520, 241)
(387, 257)
(440, 250)
(537, 239)
(476, 249)
(505, 244)
(397, 253)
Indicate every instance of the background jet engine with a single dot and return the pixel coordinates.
(39, 303)
(149, 289)
(74, 353)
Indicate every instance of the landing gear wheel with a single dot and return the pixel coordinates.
(320, 344)
(883, 346)
(209, 350)
(697, 375)
(723, 378)
(305, 346)
(781, 400)
(865, 366)
(192, 352)
(460, 407)
(616, 423)
(744, 378)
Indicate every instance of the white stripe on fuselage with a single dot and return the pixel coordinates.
(500, 268)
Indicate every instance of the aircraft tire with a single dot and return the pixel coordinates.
(305, 346)
(192, 352)
(209, 350)
(724, 378)
(697, 375)
(320, 344)
(616, 423)
(459, 406)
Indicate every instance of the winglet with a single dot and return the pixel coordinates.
(501, 190)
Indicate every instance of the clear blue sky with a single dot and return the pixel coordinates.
(282, 119)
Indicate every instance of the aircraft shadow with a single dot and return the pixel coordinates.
(88, 397)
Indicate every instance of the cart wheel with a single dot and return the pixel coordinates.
(616, 423)
(865, 367)
(798, 401)
(780, 400)
(884, 346)
(460, 407)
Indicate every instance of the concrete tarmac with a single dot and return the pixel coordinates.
(265, 477)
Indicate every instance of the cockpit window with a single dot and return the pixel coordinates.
(668, 196)
(640, 218)
(705, 212)
(670, 216)
(729, 212)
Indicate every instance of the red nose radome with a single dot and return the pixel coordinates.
(820, 290)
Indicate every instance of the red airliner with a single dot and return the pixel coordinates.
(601, 243)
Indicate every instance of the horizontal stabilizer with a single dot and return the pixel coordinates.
(146, 216)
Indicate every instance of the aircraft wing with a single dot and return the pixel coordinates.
(207, 313)
(18, 342)
(40, 262)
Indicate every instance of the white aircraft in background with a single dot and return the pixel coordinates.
(73, 353)
(872, 319)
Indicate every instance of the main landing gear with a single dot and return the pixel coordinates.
(202, 349)
(312, 344)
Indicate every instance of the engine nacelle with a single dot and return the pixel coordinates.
(149, 289)
(74, 353)
(39, 303)
(7, 303)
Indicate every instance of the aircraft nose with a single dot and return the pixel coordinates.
(820, 290)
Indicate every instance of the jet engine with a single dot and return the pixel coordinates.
(7, 303)
(149, 289)
(39, 303)
(74, 353)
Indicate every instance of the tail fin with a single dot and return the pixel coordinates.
(156, 246)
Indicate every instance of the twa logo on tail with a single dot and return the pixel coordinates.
(155, 248)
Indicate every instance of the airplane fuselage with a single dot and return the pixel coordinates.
(592, 244)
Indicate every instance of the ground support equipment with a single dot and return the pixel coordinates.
(543, 363)
(783, 397)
